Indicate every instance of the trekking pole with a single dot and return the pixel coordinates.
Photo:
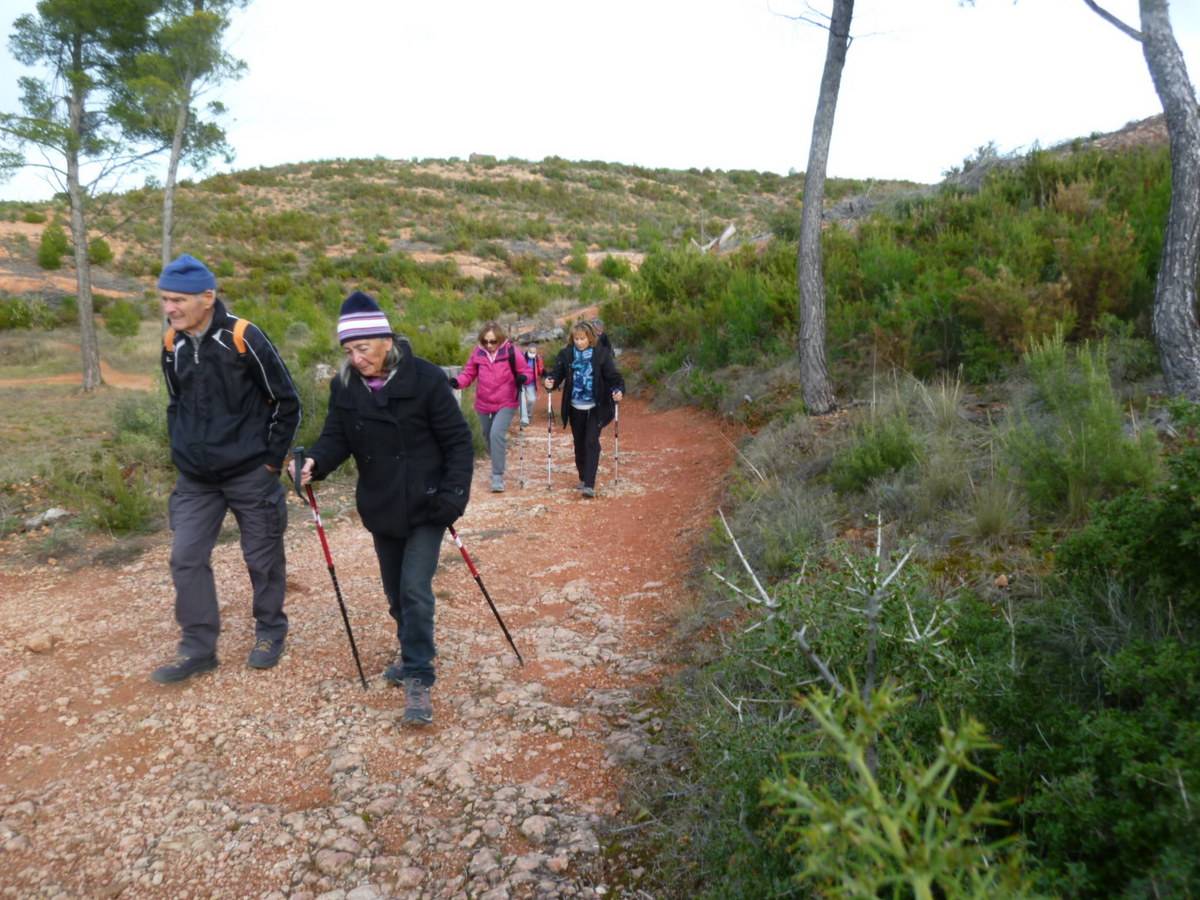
(521, 456)
(549, 429)
(298, 456)
(616, 444)
(479, 581)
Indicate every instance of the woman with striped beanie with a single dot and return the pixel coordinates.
(396, 415)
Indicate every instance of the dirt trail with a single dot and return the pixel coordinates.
(130, 381)
(295, 782)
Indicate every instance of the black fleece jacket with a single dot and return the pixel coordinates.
(228, 412)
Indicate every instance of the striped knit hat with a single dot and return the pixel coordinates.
(360, 318)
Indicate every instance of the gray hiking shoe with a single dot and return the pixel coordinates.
(394, 674)
(183, 668)
(418, 702)
(498, 484)
(588, 492)
(265, 654)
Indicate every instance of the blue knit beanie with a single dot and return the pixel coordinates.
(186, 275)
(360, 318)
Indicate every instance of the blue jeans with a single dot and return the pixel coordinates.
(407, 566)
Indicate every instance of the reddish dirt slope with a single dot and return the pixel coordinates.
(296, 782)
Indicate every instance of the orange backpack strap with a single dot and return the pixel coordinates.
(239, 337)
(239, 334)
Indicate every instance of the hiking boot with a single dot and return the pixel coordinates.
(580, 486)
(497, 484)
(394, 673)
(588, 492)
(265, 653)
(418, 702)
(183, 668)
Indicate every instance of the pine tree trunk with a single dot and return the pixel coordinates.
(1176, 329)
(810, 272)
(168, 217)
(89, 347)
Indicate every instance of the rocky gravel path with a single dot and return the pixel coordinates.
(294, 782)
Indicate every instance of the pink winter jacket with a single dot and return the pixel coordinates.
(496, 390)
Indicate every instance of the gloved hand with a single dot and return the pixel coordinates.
(442, 511)
(521, 379)
(453, 382)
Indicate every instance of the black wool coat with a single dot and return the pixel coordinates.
(605, 379)
(409, 439)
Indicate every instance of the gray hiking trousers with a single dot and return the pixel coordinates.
(495, 435)
(259, 503)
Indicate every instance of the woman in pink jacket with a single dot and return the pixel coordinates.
(501, 372)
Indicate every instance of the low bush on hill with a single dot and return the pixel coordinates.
(1039, 708)
(53, 246)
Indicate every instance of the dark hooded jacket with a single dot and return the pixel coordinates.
(228, 412)
(411, 443)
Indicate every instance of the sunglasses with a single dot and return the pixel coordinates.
(490, 343)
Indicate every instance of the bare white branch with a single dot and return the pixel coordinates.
(753, 468)
(733, 587)
(899, 566)
(736, 707)
(766, 598)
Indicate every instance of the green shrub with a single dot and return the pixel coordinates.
(121, 319)
(141, 415)
(615, 268)
(578, 261)
(441, 345)
(99, 252)
(1069, 446)
(20, 313)
(1131, 356)
(1104, 763)
(33, 217)
(525, 265)
(901, 832)
(881, 445)
(113, 499)
(1014, 313)
(53, 246)
(593, 288)
(1148, 538)
(220, 184)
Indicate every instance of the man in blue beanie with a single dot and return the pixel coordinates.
(232, 414)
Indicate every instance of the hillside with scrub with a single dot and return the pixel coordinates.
(938, 643)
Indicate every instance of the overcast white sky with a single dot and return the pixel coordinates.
(721, 84)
